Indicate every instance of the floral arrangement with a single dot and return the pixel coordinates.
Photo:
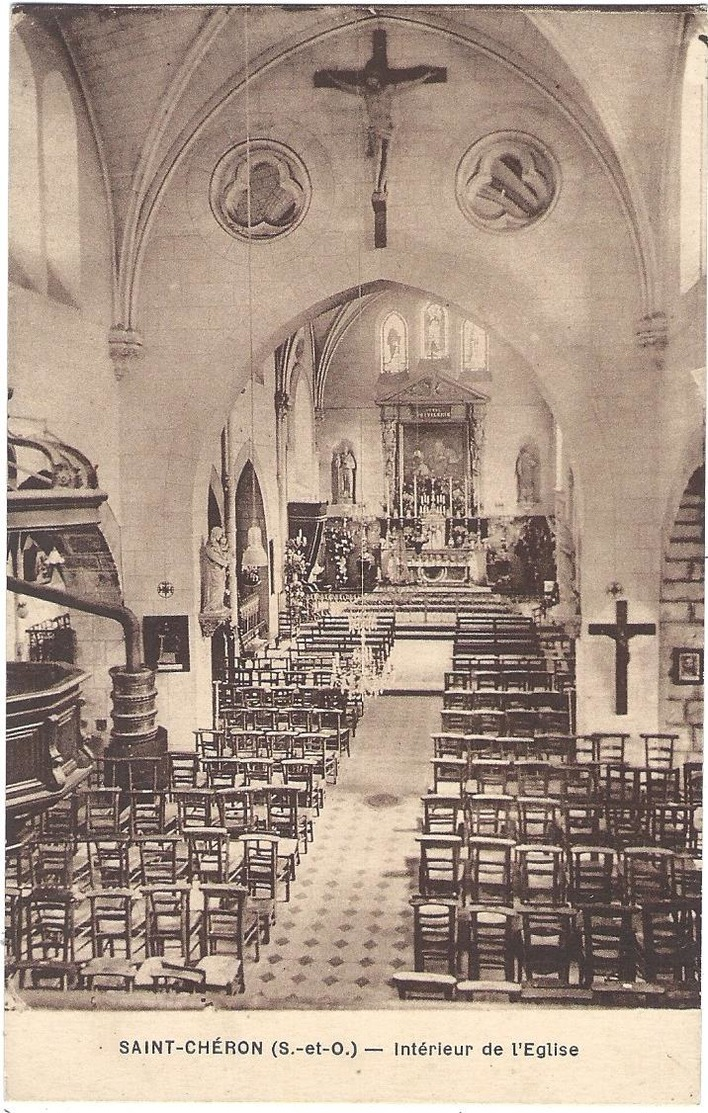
(339, 544)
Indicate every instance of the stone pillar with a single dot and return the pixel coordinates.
(282, 408)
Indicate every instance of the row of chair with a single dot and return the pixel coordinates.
(528, 819)
(492, 870)
(585, 954)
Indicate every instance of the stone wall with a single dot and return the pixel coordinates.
(682, 611)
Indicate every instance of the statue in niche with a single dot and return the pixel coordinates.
(528, 475)
(344, 476)
(215, 561)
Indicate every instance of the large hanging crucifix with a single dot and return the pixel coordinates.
(378, 84)
(621, 632)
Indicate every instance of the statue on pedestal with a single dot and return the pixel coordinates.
(215, 561)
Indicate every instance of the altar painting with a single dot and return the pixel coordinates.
(435, 451)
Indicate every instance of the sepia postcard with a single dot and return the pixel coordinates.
(355, 553)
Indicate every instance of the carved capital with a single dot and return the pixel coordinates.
(319, 414)
(653, 335)
(124, 346)
(210, 621)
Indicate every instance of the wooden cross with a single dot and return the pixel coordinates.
(621, 632)
(378, 84)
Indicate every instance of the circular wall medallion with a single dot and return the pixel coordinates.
(280, 190)
(506, 181)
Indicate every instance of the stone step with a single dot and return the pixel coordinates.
(680, 591)
(685, 550)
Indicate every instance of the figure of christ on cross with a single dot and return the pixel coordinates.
(378, 84)
(621, 632)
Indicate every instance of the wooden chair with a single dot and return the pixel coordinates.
(626, 824)
(489, 944)
(490, 816)
(49, 938)
(649, 874)
(314, 749)
(533, 779)
(585, 750)
(283, 818)
(441, 814)
(102, 812)
(434, 936)
(168, 925)
(111, 941)
(670, 942)
(301, 775)
(108, 862)
(183, 771)
(608, 945)
(223, 772)
(60, 823)
(147, 812)
(488, 877)
(195, 807)
(14, 912)
(52, 865)
(671, 825)
(540, 874)
(210, 742)
(693, 783)
(235, 810)
(548, 943)
(659, 750)
(659, 786)
(591, 874)
(522, 722)
(581, 823)
(580, 783)
(538, 820)
(224, 927)
(439, 873)
(160, 863)
(264, 872)
(420, 986)
(207, 855)
(610, 748)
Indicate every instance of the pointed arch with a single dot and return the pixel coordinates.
(436, 331)
(694, 135)
(60, 188)
(25, 224)
(393, 344)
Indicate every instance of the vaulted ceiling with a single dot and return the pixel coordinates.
(152, 76)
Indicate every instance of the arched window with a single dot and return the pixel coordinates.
(27, 260)
(60, 190)
(435, 331)
(474, 348)
(394, 345)
(693, 166)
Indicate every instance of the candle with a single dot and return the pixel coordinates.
(467, 512)
(450, 511)
(415, 495)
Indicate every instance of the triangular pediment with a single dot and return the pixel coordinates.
(430, 384)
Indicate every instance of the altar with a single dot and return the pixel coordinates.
(437, 566)
(432, 433)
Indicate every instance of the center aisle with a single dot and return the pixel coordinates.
(348, 926)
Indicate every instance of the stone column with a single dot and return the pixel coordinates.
(282, 408)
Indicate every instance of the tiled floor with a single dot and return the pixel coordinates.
(419, 666)
(347, 928)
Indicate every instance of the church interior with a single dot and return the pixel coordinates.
(355, 506)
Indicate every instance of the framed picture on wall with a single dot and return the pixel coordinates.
(687, 666)
(166, 642)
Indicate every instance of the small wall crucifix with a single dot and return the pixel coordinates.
(378, 84)
(621, 632)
